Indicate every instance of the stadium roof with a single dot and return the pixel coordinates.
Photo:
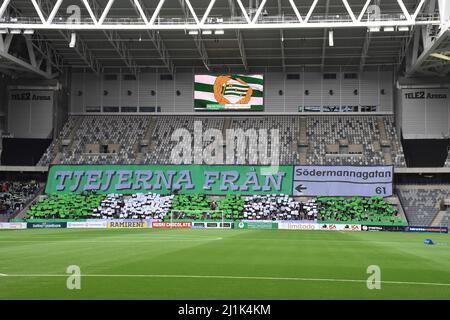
(131, 35)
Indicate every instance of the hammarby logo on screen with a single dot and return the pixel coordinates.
(230, 91)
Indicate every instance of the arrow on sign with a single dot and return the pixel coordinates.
(300, 188)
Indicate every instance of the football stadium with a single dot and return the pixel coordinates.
(224, 150)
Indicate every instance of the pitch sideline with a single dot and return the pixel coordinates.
(224, 277)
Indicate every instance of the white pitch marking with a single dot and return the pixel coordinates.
(143, 239)
(3, 275)
(63, 240)
(228, 277)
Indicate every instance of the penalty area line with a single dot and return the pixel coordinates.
(226, 277)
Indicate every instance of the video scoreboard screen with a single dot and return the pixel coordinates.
(229, 92)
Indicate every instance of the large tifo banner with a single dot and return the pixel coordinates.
(163, 179)
(342, 181)
(222, 179)
(229, 92)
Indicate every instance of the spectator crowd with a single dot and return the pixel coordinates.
(14, 196)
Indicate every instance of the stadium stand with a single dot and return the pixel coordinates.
(390, 142)
(56, 146)
(14, 196)
(161, 146)
(200, 207)
(318, 140)
(112, 140)
(231, 206)
(357, 210)
(421, 202)
(281, 207)
(446, 219)
(287, 127)
(191, 206)
(353, 140)
(70, 206)
(136, 206)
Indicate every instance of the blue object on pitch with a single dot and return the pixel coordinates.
(428, 241)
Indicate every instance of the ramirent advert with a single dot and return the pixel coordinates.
(343, 181)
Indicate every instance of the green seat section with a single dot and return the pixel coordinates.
(359, 210)
(65, 206)
(199, 207)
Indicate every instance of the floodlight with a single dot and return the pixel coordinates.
(440, 56)
(73, 40)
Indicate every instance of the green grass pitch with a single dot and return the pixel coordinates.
(221, 264)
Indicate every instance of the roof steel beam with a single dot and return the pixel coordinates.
(365, 51)
(325, 36)
(217, 26)
(283, 56)
(363, 12)
(430, 42)
(197, 38)
(239, 35)
(193, 22)
(154, 35)
(84, 52)
(38, 48)
(35, 55)
(112, 34)
(3, 7)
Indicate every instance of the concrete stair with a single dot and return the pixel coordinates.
(302, 136)
(21, 213)
(302, 143)
(384, 141)
(396, 201)
(387, 158)
(438, 219)
(146, 142)
(70, 138)
(226, 126)
(139, 158)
